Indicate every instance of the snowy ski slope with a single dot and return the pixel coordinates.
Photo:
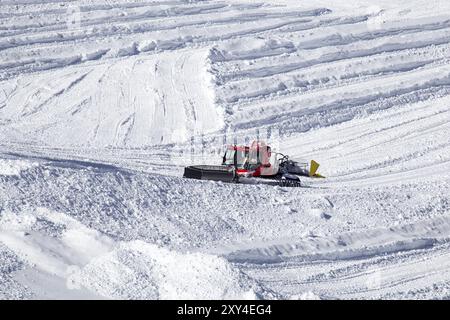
(100, 102)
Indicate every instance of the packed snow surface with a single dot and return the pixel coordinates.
(102, 104)
(14, 167)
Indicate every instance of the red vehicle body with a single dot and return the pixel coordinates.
(256, 160)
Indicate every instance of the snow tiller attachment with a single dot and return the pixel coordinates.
(255, 164)
(205, 172)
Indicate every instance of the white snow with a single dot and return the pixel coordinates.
(305, 296)
(100, 102)
(85, 259)
(12, 167)
(138, 270)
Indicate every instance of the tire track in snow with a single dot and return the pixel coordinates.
(338, 55)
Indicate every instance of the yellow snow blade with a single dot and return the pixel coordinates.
(313, 170)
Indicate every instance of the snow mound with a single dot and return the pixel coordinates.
(14, 222)
(139, 270)
(82, 259)
(14, 167)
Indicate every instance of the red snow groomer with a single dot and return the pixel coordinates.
(257, 163)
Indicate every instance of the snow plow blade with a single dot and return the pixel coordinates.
(313, 170)
(205, 172)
